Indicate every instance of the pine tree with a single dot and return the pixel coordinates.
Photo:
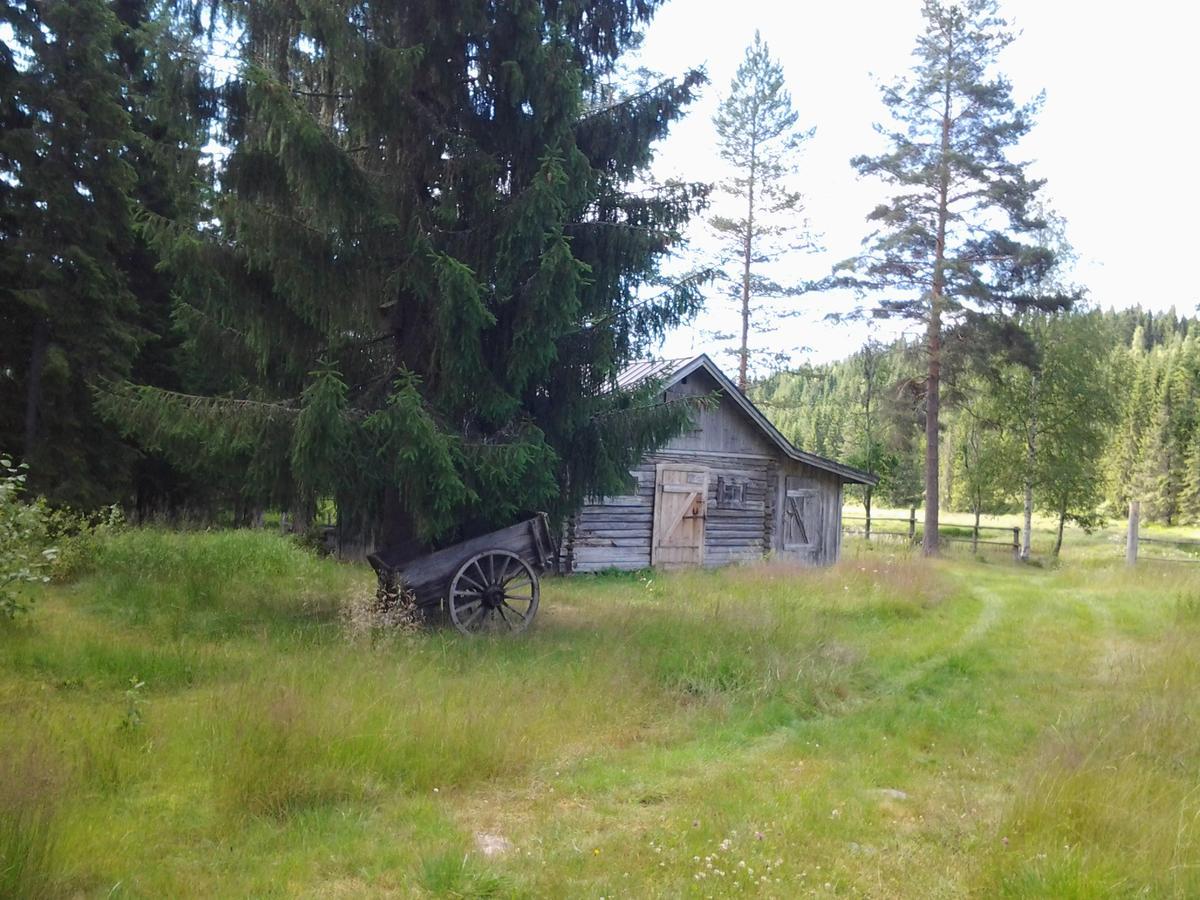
(758, 136)
(1189, 499)
(429, 262)
(946, 247)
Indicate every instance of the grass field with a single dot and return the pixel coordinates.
(193, 716)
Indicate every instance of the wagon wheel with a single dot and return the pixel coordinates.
(493, 591)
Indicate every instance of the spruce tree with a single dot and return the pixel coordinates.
(99, 123)
(66, 310)
(433, 249)
(758, 136)
(947, 250)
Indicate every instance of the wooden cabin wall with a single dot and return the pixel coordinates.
(828, 522)
(617, 532)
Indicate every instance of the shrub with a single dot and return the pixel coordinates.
(77, 536)
(25, 558)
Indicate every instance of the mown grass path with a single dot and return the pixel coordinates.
(885, 729)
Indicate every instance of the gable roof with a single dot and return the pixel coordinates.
(672, 371)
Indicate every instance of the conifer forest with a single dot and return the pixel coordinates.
(821, 375)
(389, 260)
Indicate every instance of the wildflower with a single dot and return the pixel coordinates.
(596, 851)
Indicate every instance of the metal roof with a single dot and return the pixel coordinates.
(671, 371)
(635, 374)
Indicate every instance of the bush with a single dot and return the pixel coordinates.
(25, 556)
(78, 537)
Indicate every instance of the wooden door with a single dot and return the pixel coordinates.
(801, 526)
(680, 506)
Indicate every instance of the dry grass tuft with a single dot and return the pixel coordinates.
(31, 789)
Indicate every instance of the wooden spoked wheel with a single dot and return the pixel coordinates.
(494, 591)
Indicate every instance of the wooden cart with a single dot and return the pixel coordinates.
(486, 584)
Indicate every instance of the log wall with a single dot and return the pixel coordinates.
(616, 532)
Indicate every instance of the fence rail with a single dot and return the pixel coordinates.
(1132, 541)
(911, 534)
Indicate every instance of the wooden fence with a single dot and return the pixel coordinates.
(1134, 540)
(911, 534)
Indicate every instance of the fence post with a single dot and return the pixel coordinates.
(1016, 543)
(912, 526)
(1131, 542)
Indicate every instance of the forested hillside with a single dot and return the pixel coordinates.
(1105, 410)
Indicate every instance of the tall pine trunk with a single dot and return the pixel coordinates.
(1031, 438)
(747, 256)
(929, 541)
(33, 386)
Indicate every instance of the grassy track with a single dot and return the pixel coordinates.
(885, 729)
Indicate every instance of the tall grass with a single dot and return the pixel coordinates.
(30, 794)
(1111, 804)
(272, 748)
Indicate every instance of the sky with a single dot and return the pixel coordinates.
(1116, 138)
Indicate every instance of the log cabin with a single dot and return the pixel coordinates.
(731, 489)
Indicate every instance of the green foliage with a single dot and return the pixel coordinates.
(25, 557)
(1152, 454)
(457, 875)
(1068, 397)
(96, 128)
(432, 250)
(134, 704)
(860, 410)
(958, 241)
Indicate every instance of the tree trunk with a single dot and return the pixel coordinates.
(975, 533)
(747, 256)
(398, 533)
(1030, 462)
(933, 339)
(1062, 520)
(303, 513)
(33, 387)
(867, 504)
(929, 541)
